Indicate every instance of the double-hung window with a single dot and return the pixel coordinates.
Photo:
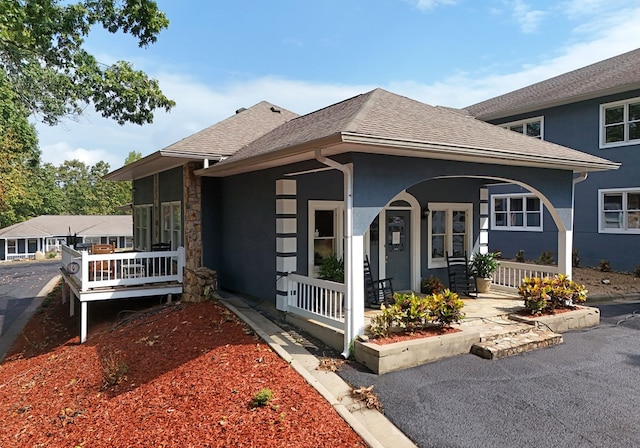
(325, 231)
(171, 213)
(450, 231)
(142, 227)
(620, 123)
(532, 127)
(12, 246)
(516, 212)
(619, 210)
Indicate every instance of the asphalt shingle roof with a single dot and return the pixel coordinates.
(60, 225)
(618, 73)
(403, 121)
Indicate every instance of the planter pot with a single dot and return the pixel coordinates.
(484, 284)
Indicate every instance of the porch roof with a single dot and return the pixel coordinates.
(383, 122)
(214, 143)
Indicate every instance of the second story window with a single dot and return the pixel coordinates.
(532, 127)
(620, 123)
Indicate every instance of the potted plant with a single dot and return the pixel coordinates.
(484, 266)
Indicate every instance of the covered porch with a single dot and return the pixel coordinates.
(122, 275)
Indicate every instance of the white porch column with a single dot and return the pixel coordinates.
(83, 322)
(483, 241)
(286, 238)
(565, 249)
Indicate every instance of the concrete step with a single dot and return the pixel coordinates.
(510, 344)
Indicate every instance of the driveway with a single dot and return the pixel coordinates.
(583, 393)
(22, 288)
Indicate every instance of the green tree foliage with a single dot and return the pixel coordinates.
(41, 44)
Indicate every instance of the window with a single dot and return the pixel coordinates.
(325, 231)
(532, 127)
(12, 247)
(619, 211)
(171, 213)
(450, 230)
(620, 123)
(92, 240)
(516, 212)
(142, 227)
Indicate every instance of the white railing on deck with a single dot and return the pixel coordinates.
(311, 298)
(511, 274)
(13, 257)
(124, 268)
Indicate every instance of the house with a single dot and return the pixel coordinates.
(378, 174)
(47, 234)
(596, 110)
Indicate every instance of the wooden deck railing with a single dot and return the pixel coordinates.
(123, 268)
(312, 298)
(510, 274)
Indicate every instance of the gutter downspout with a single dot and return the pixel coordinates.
(565, 239)
(349, 321)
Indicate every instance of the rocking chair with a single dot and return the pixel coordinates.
(461, 278)
(377, 291)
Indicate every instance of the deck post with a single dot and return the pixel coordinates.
(72, 299)
(83, 322)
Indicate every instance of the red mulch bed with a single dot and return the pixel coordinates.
(419, 334)
(193, 370)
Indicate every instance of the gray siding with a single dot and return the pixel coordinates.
(143, 191)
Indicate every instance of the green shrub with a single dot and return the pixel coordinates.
(547, 294)
(332, 268)
(636, 271)
(546, 257)
(262, 397)
(430, 285)
(604, 266)
(484, 265)
(411, 313)
(520, 256)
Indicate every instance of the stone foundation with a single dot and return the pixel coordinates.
(199, 285)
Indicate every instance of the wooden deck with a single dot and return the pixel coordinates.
(115, 276)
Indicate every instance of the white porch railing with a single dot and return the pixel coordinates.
(320, 300)
(124, 268)
(12, 257)
(511, 274)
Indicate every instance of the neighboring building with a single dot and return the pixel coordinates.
(47, 233)
(378, 174)
(595, 109)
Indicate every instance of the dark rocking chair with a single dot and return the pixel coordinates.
(377, 291)
(461, 278)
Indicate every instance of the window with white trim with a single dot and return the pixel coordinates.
(619, 210)
(12, 246)
(450, 230)
(171, 217)
(520, 212)
(325, 232)
(620, 123)
(142, 227)
(532, 127)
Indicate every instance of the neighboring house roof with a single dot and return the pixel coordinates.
(215, 142)
(61, 225)
(614, 75)
(386, 123)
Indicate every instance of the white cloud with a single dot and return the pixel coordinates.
(57, 153)
(528, 19)
(426, 5)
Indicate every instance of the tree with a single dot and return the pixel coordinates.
(41, 45)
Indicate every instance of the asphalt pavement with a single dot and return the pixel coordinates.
(23, 286)
(583, 393)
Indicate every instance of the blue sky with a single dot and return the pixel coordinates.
(220, 55)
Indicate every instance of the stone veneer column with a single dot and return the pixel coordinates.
(286, 237)
(484, 221)
(192, 207)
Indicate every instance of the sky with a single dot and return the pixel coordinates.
(220, 55)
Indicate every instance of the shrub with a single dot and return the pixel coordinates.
(410, 313)
(547, 294)
(262, 397)
(520, 256)
(546, 257)
(332, 268)
(636, 271)
(431, 285)
(575, 258)
(604, 266)
(114, 369)
(484, 265)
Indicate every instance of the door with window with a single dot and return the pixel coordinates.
(398, 248)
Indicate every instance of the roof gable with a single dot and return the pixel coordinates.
(613, 75)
